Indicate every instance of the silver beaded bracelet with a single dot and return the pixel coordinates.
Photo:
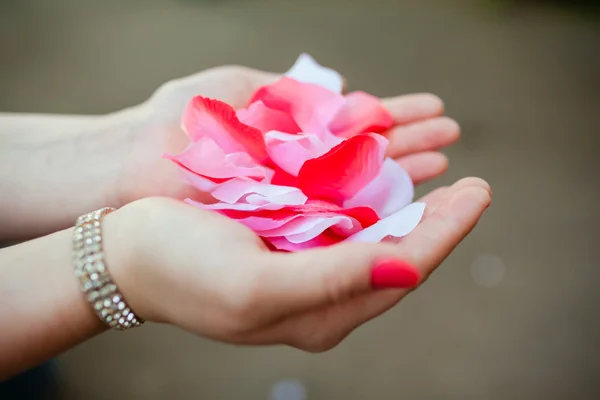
(94, 279)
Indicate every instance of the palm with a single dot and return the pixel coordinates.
(414, 141)
(310, 299)
(451, 213)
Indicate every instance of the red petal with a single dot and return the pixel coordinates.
(344, 170)
(217, 120)
(282, 178)
(362, 113)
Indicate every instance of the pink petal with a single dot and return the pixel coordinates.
(261, 224)
(290, 152)
(343, 171)
(304, 228)
(325, 239)
(307, 70)
(199, 182)
(205, 117)
(389, 192)
(341, 225)
(296, 223)
(267, 119)
(396, 225)
(314, 218)
(225, 208)
(312, 107)
(251, 192)
(206, 165)
(361, 113)
(366, 216)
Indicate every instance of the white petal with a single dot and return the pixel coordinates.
(307, 70)
(234, 207)
(396, 225)
(258, 193)
(390, 191)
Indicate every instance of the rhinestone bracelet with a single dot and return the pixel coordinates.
(94, 279)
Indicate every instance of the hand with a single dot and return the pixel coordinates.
(214, 277)
(155, 125)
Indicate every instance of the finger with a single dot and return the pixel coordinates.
(260, 78)
(430, 243)
(471, 182)
(256, 77)
(328, 275)
(431, 134)
(434, 198)
(323, 327)
(414, 107)
(422, 167)
(440, 232)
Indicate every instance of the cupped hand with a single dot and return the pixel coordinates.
(213, 277)
(420, 130)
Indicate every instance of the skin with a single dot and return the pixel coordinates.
(74, 164)
(309, 300)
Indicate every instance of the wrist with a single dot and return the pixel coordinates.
(124, 258)
(151, 132)
(117, 134)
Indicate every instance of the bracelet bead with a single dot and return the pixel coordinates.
(94, 279)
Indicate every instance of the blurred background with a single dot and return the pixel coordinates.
(512, 314)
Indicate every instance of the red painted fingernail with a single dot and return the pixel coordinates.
(393, 273)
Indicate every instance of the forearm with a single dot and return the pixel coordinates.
(54, 168)
(42, 311)
(52, 125)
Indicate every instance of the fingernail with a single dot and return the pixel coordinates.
(393, 273)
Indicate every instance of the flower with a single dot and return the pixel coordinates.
(302, 165)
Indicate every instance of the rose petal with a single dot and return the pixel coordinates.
(327, 238)
(304, 228)
(312, 107)
(201, 183)
(251, 192)
(206, 165)
(361, 113)
(282, 178)
(307, 70)
(260, 224)
(343, 171)
(267, 119)
(289, 152)
(230, 209)
(389, 192)
(204, 117)
(396, 225)
(365, 215)
(277, 215)
(341, 224)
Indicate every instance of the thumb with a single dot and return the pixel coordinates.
(334, 274)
